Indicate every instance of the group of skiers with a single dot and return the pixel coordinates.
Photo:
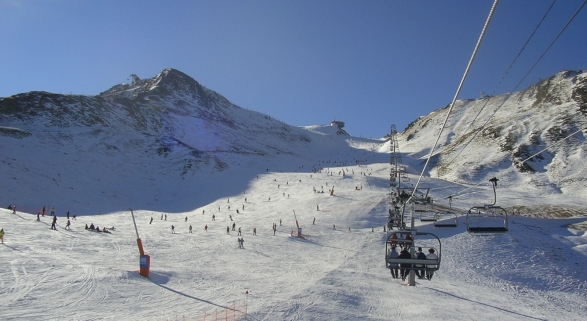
(422, 270)
(97, 228)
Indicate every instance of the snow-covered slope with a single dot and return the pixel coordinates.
(490, 137)
(147, 144)
(533, 272)
(178, 153)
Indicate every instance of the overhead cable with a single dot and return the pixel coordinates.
(505, 74)
(509, 94)
(456, 95)
(555, 144)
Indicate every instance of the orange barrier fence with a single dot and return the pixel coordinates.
(233, 312)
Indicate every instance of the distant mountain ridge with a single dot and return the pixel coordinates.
(157, 107)
(149, 141)
(524, 123)
(142, 138)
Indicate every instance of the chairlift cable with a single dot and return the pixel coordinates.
(503, 77)
(553, 41)
(555, 144)
(538, 60)
(456, 94)
(523, 161)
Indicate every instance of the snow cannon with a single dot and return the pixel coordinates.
(298, 226)
(145, 260)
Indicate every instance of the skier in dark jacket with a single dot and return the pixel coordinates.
(420, 267)
(405, 267)
(54, 223)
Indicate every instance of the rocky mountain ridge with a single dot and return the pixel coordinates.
(491, 136)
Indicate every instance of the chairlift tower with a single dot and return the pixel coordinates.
(398, 173)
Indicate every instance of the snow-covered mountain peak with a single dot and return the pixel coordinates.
(492, 136)
(169, 82)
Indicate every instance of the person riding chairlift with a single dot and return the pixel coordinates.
(409, 239)
(391, 242)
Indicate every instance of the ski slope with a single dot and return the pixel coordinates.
(534, 272)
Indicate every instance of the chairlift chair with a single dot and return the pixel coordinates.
(428, 216)
(429, 265)
(395, 219)
(487, 219)
(446, 220)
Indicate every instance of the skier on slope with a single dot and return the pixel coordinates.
(54, 223)
(2, 235)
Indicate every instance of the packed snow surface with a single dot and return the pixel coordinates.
(536, 271)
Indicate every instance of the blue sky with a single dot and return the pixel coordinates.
(369, 63)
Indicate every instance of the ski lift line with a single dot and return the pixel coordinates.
(485, 124)
(553, 41)
(524, 47)
(478, 130)
(466, 189)
(456, 94)
(506, 73)
(560, 141)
